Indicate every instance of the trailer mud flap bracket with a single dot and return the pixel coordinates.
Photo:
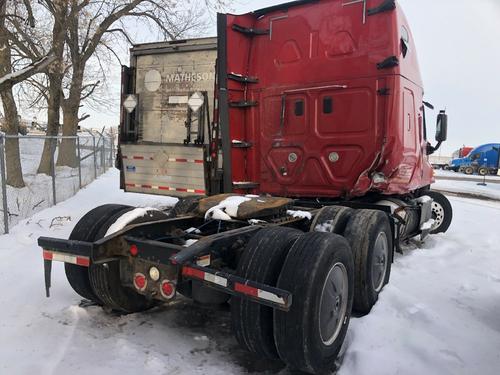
(54, 249)
(49, 256)
(263, 294)
(47, 268)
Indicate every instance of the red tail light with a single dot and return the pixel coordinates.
(140, 281)
(167, 289)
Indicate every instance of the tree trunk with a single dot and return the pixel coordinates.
(67, 155)
(53, 103)
(55, 75)
(12, 154)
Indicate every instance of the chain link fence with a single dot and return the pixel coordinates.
(94, 155)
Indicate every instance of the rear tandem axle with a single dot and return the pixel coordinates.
(274, 262)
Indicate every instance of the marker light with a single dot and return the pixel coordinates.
(134, 250)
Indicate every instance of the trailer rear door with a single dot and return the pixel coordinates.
(173, 84)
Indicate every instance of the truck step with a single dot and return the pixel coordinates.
(385, 91)
(241, 144)
(390, 62)
(241, 78)
(245, 185)
(243, 104)
(248, 31)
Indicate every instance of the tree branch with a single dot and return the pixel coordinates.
(105, 25)
(34, 68)
(92, 87)
(84, 117)
(124, 34)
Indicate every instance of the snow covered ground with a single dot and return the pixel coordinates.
(491, 191)
(451, 174)
(439, 314)
(37, 194)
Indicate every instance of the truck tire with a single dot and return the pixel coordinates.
(86, 230)
(483, 171)
(332, 219)
(185, 205)
(371, 239)
(261, 262)
(105, 278)
(468, 170)
(318, 271)
(442, 212)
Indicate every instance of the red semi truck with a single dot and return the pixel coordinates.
(293, 198)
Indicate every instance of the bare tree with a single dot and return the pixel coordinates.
(90, 25)
(9, 77)
(83, 36)
(59, 10)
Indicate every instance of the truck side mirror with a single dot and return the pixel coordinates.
(442, 127)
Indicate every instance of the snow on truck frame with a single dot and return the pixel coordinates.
(297, 143)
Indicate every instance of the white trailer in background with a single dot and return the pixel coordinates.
(440, 162)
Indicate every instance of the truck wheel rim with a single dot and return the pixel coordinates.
(379, 261)
(437, 215)
(333, 304)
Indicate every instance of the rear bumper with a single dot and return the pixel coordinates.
(192, 264)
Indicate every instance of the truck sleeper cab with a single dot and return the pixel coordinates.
(294, 198)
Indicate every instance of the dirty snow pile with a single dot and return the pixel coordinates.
(299, 214)
(439, 314)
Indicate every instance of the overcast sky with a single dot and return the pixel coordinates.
(459, 51)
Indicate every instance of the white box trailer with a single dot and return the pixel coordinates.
(167, 100)
(440, 162)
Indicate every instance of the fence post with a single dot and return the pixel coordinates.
(79, 161)
(95, 157)
(103, 154)
(4, 187)
(53, 168)
(112, 140)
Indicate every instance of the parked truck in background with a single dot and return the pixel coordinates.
(297, 143)
(483, 160)
(445, 162)
(462, 152)
(440, 162)
(454, 163)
